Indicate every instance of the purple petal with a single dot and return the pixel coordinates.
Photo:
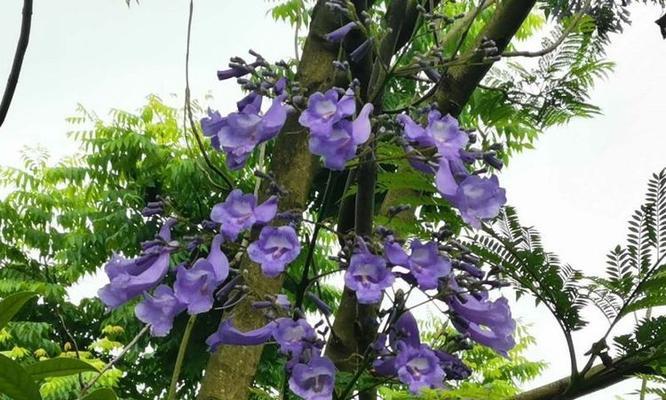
(227, 334)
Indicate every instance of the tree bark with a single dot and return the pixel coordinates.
(231, 369)
(597, 378)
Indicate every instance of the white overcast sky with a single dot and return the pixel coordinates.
(579, 186)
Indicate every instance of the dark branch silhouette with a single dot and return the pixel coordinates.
(21, 47)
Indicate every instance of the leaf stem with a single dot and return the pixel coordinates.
(179, 359)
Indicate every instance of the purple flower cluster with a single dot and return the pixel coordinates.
(193, 291)
(312, 376)
(239, 133)
(475, 197)
(415, 364)
(332, 136)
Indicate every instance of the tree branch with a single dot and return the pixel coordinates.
(597, 378)
(548, 49)
(458, 84)
(21, 48)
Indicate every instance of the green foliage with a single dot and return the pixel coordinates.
(12, 304)
(636, 273)
(522, 258)
(60, 366)
(59, 223)
(296, 12)
(16, 382)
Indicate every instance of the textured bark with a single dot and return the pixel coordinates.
(231, 369)
(597, 378)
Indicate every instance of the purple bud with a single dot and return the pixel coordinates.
(359, 53)
(339, 34)
(236, 71)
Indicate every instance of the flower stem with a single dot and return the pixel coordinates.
(179, 359)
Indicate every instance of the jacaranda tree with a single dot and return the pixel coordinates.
(371, 160)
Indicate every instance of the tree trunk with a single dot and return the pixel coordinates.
(231, 369)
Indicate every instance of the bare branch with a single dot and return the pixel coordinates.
(21, 48)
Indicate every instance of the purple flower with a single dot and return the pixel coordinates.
(418, 367)
(196, 286)
(227, 334)
(479, 198)
(339, 34)
(484, 321)
(158, 310)
(314, 380)
(240, 132)
(424, 263)
(293, 336)
(405, 330)
(131, 277)
(441, 132)
(338, 144)
(368, 276)
(240, 211)
(275, 248)
(325, 109)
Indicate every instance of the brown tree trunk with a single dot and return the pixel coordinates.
(231, 369)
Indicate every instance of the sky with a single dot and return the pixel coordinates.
(580, 184)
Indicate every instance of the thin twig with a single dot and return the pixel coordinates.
(21, 48)
(188, 105)
(113, 362)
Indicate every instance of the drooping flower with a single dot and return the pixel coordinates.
(367, 275)
(158, 310)
(196, 286)
(418, 367)
(131, 277)
(314, 380)
(339, 144)
(293, 336)
(479, 198)
(275, 248)
(339, 34)
(227, 334)
(442, 132)
(325, 109)
(484, 321)
(405, 330)
(424, 263)
(240, 211)
(240, 132)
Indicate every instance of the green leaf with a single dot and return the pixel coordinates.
(60, 366)
(15, 381)
(11, 305)
(101, 394)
